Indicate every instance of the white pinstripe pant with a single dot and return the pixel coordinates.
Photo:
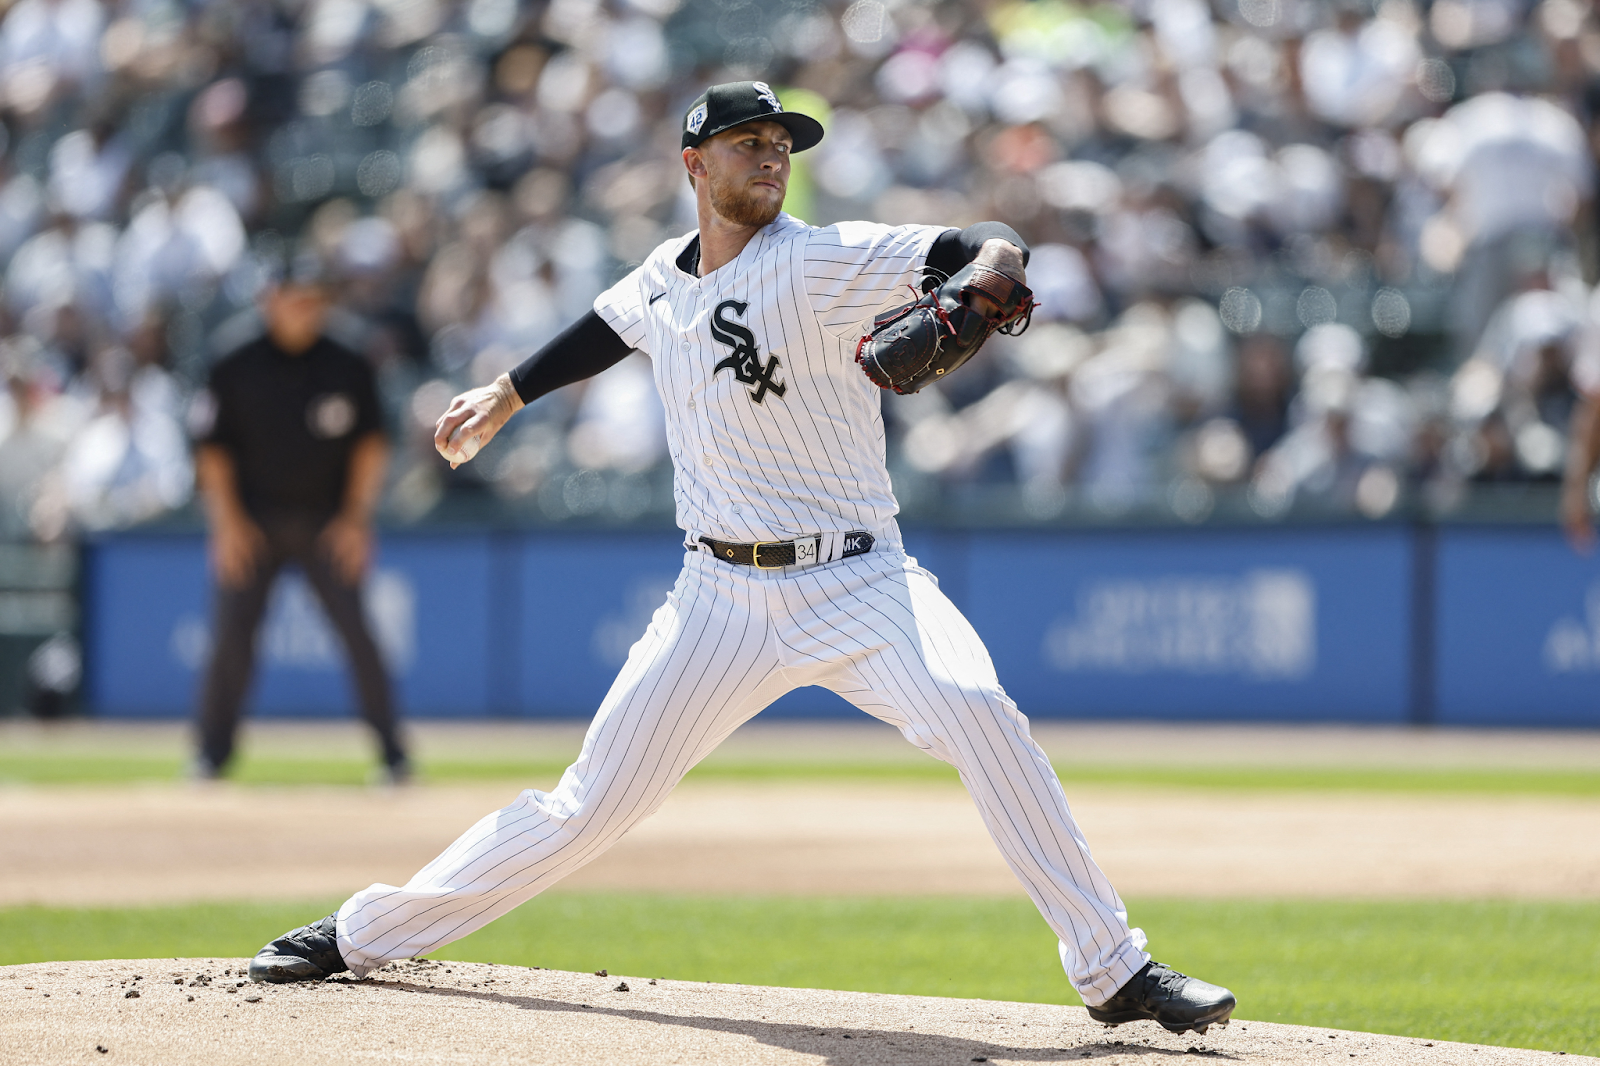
(729, 640)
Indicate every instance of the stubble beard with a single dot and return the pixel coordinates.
(739, 206)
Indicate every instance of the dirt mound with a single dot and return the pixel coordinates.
(178, 1011)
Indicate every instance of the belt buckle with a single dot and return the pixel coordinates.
(755, 554)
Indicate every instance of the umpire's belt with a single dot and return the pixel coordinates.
(802, 551)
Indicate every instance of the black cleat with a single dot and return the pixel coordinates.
(308, 953)
(1163, 995)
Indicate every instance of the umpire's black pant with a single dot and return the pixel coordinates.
(238, 618)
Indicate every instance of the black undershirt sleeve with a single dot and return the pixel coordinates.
(589, 345)
(955, 248)
(580, 351)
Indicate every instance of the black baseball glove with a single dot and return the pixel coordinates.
(921, 342)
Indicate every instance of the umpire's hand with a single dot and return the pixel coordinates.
(473, 418)
(236, 546)
(1576, 519)
(347, 540)
(1583, 453)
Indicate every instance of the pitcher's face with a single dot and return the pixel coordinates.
(747, 171)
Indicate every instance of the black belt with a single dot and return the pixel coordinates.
(776, 554)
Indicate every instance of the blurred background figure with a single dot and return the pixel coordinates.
(474, 172)
(291, 455)
(1205, 184)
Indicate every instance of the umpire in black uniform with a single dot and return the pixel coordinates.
(291, 467)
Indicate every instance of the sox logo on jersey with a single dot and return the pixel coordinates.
(745, 362)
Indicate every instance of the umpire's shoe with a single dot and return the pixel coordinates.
(1164, 995)
(308, 953)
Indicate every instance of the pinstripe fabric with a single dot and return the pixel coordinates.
(705, 664)
(728, 641)
(812, 459)
(774, 433)
(882, 635)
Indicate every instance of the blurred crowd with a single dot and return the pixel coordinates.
(1331, 256)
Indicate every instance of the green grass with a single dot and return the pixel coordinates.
(199, 930)
(108, 769)
(1515, 974)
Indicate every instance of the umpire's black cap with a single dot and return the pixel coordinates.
(734, 103)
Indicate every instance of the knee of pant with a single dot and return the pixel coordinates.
(991, 701)
(596, 810)
(989, 710)
(982, 699)
(929, 739)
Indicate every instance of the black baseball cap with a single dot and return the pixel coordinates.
(734, 103)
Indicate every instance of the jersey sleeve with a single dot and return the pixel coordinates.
(854, 268)
(213, 413)
(622, 307)
(369, 409)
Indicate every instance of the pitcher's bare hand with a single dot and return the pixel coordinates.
(473, 418)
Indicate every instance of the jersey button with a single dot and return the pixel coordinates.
(686, 346)
(691, 405)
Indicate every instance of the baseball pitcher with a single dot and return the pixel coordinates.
(771, 342)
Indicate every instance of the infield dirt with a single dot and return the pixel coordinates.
(157, 843)
(177, 1012)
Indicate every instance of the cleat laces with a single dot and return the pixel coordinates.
(1168, 980)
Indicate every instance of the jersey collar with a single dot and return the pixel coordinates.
(685, 255)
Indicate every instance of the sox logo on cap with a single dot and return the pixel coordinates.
(764, 92)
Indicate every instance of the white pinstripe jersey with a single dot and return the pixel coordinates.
(774, 430)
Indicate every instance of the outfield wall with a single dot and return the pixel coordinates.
(1484, 626)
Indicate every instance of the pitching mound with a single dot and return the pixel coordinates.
(177, 1011)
